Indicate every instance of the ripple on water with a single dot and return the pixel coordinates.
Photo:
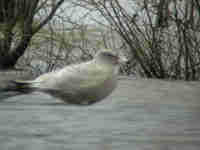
(36, 121)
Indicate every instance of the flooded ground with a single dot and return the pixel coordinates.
(140, 115)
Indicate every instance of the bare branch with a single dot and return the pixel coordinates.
(49, 17)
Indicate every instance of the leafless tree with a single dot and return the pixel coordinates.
(163, 35)
(20, 20)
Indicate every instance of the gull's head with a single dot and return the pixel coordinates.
(107, 56)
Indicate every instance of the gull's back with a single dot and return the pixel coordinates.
(84, 83)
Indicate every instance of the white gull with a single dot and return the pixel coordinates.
(84, 83)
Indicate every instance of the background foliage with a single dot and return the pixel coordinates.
(160, 37)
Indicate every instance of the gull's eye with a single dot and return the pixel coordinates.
(108, 54)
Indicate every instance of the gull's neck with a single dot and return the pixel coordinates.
(106, 65)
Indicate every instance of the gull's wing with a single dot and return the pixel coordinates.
(21, 85)
(77, 77)
(23, 82)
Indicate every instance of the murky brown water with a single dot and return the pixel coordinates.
(139, 115)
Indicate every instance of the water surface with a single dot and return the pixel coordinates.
(140, 115)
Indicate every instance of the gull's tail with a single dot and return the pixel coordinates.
(15, 88)
(20, 86)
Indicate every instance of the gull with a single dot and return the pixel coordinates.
(82, 84)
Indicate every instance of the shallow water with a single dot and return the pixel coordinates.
(139, 115)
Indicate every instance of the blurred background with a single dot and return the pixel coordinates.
(159, 37)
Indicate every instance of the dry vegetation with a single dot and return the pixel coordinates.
(160, 37)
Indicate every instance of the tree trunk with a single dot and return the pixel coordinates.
(9, 59)
(12, 17)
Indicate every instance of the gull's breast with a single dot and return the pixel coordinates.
(89, 95)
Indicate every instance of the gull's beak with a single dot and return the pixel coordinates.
(122, 60)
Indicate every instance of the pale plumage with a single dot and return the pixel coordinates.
(84, 83)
